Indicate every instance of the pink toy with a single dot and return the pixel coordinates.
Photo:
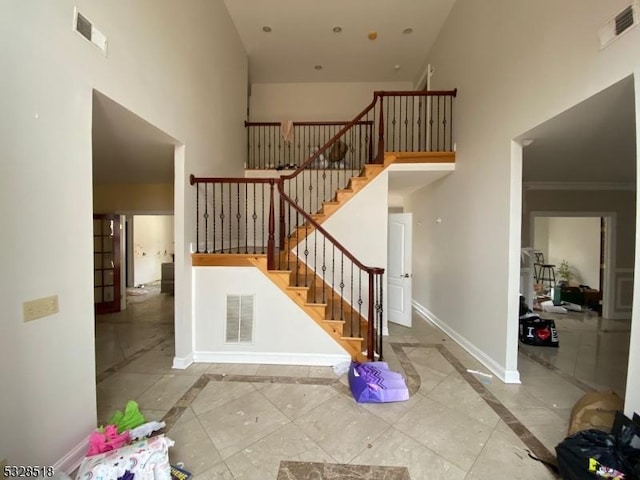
(100, 442)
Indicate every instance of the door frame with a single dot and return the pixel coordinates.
(409, 261)
(610, 238)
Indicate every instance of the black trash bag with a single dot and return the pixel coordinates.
(537, 331)
(590, 454)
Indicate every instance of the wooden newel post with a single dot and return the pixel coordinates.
(380, 157)
(271, 244)
(371, 334)
(282, 225)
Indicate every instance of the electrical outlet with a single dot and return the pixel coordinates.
(39, 308)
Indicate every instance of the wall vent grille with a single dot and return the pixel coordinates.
(620, 24)
(87, 29)
(240, 319)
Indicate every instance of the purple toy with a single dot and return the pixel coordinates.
(373, 382)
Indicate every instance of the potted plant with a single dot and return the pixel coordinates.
(564, 273)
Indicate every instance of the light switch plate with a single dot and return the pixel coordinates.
(39, 308)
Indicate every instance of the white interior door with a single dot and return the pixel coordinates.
(399, 269)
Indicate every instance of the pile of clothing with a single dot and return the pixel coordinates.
(125, 450)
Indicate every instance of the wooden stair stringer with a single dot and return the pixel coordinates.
(315, 311)
(340, 198)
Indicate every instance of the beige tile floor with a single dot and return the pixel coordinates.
(243, 429)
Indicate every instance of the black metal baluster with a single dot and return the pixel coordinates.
(431, 125)
(197, 217)
(315, 263)
(393, 125)
(333, 278)
(206, 218)
(214, 218)
(360, 302)
(324, 268)
(351, 299)
(230, 218)
(451, 123)
(246, 218)
(421, 101)
(438, 127)
(341, 285)
(254, 217)
(222, 218)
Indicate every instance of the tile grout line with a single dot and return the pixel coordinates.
(102, 376)
(536, 447)
(565, 376)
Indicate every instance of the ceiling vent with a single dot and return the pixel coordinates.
(84, 27)
(239, 325)
(620, 24)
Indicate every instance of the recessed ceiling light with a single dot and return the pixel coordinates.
(337, 29)
(318, 67)
(407, 30)
(396, 67)
(266, 28)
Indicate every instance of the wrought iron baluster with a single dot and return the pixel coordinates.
(214, 218)
(230, 218)
(315, 263)
(254, 217)
(431, 124)
(246, 218)
(451, 123)
(197, 217)
(341, 285)
(438, 130)
(324, 268)
(222, 217)
(359, 302)
(351, 298)
(206, 218)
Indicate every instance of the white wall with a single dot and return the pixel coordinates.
(153, 245)
(515, 64)
(541, 236)
(361, 226)
(283, 333)
(183, 70)
(576, 240)
(275, 102)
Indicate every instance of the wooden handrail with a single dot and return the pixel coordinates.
(306, 124)
(418, 93)
(316, 225)
(322, 149)
(193, 180)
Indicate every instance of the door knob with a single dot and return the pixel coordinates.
(407, 275)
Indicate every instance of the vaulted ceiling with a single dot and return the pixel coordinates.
(302, 37)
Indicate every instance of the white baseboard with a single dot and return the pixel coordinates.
(181, 363)
(271, 358)
(71, 461)
(507, 376)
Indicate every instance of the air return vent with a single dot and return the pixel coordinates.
(239, 325)
(620, 24)
(85, 27)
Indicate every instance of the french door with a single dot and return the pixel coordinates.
(106, 263)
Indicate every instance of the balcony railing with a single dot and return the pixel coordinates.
(274, 215)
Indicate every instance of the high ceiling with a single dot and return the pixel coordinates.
(592, 142)
(302, 37)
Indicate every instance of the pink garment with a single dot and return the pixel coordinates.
(107, 441)
(286, 131)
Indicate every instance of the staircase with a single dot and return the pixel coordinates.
(307, 289)
(237, 218)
